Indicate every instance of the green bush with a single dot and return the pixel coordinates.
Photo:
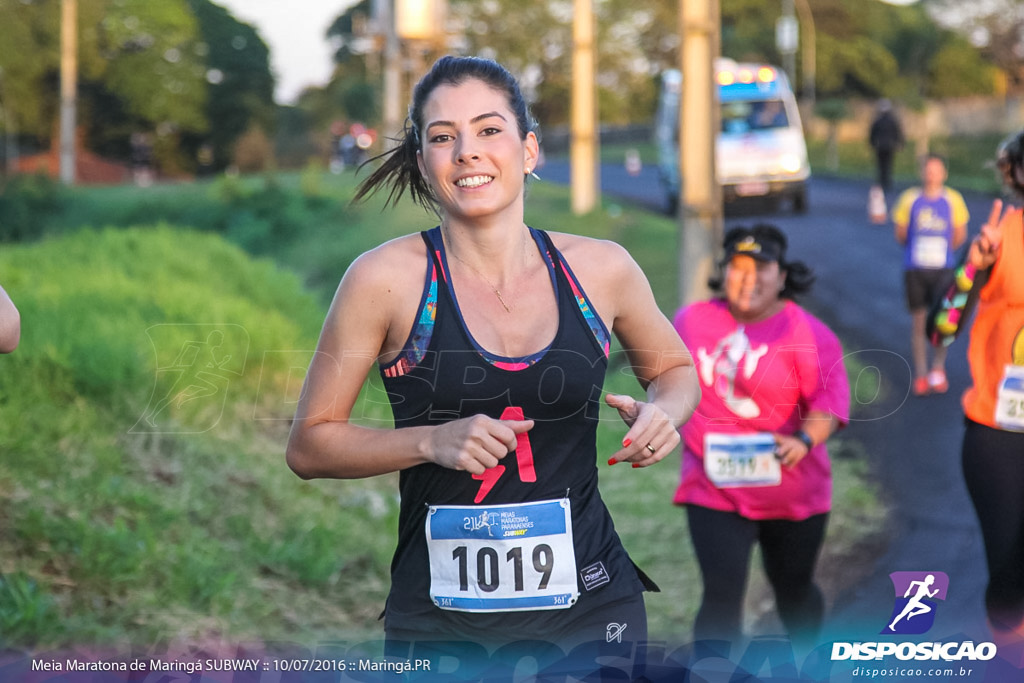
(125, 513)
(27, 205)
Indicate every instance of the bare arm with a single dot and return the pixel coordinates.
(959, 234)
(660, 359)
(10, 323)
(900, 231)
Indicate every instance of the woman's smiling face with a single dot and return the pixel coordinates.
(472, 153)
(752, 287)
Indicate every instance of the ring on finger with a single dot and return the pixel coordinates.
(651, 448)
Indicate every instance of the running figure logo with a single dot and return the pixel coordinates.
(195, 364)
(485, 519)
(916, 595)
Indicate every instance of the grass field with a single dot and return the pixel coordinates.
(128, 519)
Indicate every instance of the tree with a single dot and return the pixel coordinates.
(149, 59)
(959, 70)
(238, 79)
(635, 39)
(748, 29)
(152, 60)
(184, 72)
(29, 53)
(349, 33)
(864, 48)
(138, 67)
(995, 27)
(354, 91)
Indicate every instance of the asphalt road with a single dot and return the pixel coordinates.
(913, 443)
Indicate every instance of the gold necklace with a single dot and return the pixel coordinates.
(494, 289)
(497, 293)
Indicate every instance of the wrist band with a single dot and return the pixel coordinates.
(965, 277)
(804, 438)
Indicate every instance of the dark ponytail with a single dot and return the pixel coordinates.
(399, 171)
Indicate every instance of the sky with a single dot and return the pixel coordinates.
(295, 33)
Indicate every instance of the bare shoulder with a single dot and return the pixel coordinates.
(382, 286)
(605, 269)
(389, 258)
(586, 255)
(395, 267)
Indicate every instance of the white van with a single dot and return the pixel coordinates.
(760, 149)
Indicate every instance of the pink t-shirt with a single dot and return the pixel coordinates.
(761, 377)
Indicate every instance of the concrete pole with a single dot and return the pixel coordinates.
(68, 88)
(700, 214)
(789, 51)
(393, 115)
(809, 38)
(583, 153)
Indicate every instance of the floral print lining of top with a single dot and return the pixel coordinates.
(419, 339)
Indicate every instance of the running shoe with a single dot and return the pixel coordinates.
(937, 381)
(921, 386)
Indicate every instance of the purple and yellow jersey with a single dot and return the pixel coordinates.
(930, 222)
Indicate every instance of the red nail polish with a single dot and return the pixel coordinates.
(626, 442)
(612, 461)
(635, 466)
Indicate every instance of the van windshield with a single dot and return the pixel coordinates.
(751, 115)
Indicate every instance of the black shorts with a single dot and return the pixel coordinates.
(925, 286)
(616, 631)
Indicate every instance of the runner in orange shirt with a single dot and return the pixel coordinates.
(993, 447)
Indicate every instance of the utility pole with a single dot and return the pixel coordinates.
(808, 91)
(583, 152)
(786, 39)
(420, 25)
(385, 12)
(700, 214)
(68, 88)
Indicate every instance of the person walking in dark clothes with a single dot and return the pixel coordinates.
(886, 138)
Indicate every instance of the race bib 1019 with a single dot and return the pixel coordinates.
(502, 558)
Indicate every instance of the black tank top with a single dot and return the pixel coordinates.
(443, 375)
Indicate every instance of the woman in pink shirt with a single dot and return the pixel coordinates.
(755, 467)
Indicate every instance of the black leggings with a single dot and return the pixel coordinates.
(723, 542)
(993, 464)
